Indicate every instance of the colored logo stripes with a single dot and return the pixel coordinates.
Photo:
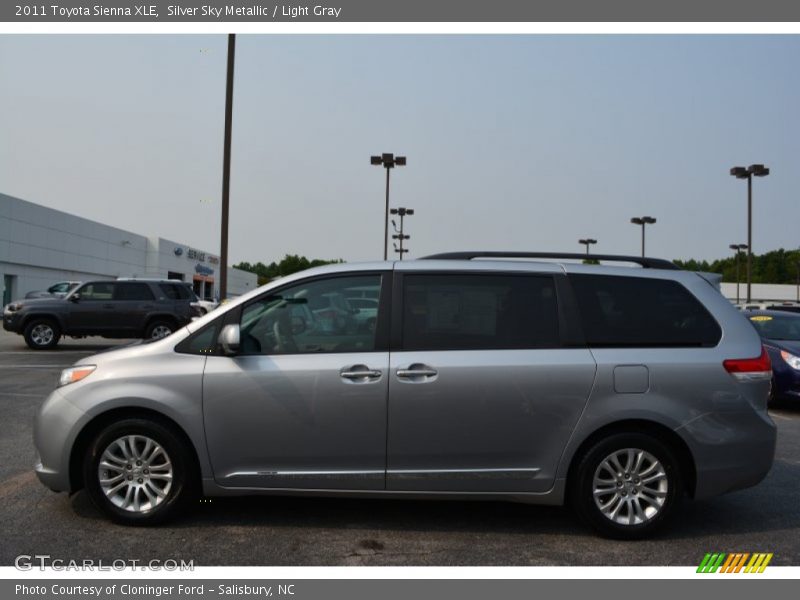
(735, 562)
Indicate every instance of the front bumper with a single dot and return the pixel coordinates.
(54, 431)
(12, 321)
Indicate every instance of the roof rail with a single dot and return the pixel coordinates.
(647, 263)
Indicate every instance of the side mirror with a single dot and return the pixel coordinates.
(75, 297)
(229, 339)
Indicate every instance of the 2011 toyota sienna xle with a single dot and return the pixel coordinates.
(616, 389)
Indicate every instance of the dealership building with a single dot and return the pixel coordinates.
(40, 246)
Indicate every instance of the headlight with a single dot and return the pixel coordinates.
(791, 360)
(13, 307)
(75, 374)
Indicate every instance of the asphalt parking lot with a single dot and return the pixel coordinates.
(308, 531)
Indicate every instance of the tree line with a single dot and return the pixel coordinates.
(776, 266)
(291, 263)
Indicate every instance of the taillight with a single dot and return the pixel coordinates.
(750, 369)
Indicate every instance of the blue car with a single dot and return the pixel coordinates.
(780, 332)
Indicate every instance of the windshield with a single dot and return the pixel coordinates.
(777, 328)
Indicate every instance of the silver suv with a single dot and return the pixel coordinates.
(616, 389)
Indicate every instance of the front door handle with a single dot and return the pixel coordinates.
(359, 373)
(416, 372)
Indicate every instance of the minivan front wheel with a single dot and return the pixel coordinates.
(627, 485)
(138, 472)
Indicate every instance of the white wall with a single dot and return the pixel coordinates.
(40, 246)
(761, 291)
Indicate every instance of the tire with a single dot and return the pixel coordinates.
(615, 514)
(42, 334)
(157, 329)
(146, 495)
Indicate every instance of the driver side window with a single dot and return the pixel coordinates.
(319, 316)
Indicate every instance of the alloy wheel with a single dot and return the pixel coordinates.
(630, 486)
(135, 473)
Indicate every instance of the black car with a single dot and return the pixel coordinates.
(780, 332)
(112, 309)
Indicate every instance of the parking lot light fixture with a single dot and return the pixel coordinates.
(643, 221)
(737, 248)
(388, 161)
(402, 212)
(757, 170)
(587, 242)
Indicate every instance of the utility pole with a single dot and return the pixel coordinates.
(587, 242)
(388, 161)
(737, 248)
(643, 221)
(742, 173)
(226, 170)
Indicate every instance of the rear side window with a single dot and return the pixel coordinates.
(479, 312)
(175, 291)
(624, 312)
(132, 291)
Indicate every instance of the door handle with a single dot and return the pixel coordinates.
(359, 372)
(108, 306)
(417, 370)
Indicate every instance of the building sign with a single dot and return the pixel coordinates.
(193, 254)
(203, 270)
(178, 251)
(213, 260)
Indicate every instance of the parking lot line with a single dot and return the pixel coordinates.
(34, 366)
(57, 353)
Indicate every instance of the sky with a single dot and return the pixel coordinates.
(514, 142)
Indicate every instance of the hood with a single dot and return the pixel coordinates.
(44, 301)
(792, 346)
(136, 348)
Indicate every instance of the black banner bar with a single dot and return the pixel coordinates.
(264, 11)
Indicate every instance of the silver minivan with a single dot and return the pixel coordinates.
(486, 375)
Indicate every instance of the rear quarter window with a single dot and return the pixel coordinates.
(620, 312)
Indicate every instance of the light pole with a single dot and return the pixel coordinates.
(226, 170)
(742, 173)
(402, 212)
(587, 242)
(643, 221)
(737, 248)
(388, 161)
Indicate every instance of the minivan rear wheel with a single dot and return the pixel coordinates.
(627, 485)
(138, 472)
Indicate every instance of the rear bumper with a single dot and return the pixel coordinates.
(732, 450)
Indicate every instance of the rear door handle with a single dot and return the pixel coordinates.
(416, 371)
(108, 306)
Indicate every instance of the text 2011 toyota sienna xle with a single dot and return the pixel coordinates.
(616, 389)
